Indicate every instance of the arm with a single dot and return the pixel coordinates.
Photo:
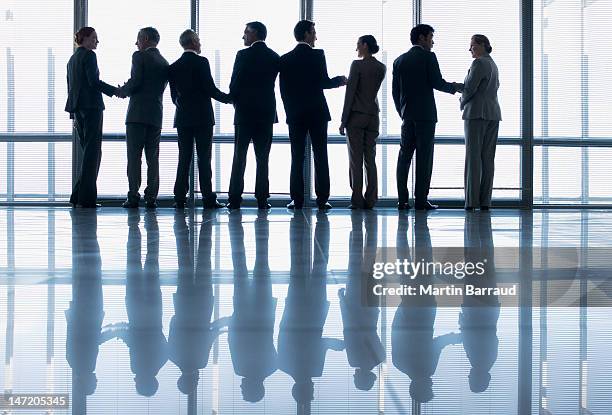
(435, 77)
(475, 75)
(136, 75)
(351, 88)
(93, 76)
(234, 86)
(396, 88)
(208, 85)
(326, 82)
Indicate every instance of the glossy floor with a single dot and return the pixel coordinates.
(256, 313)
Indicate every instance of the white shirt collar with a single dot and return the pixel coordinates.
(191, 50)
(258, 41)
(304, 43)
(417, 46)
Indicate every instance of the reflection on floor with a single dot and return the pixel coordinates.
(262, 312)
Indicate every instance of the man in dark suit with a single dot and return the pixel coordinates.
(85, 106)
(415, 75)
(303, 76)
(252, 91)
(192, 87)
(144, 116)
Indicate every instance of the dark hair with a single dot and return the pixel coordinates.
(300, 29)
(83, 32)
(187, 37)
(484, 41)
(151, 33)
(418, 30)
(259, 28)
(371, 42)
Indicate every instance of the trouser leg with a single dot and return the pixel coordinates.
(262, 143)
(152, 155)
(318, 137)
(242, 138)
(425, 132)
(369, 160)
(488, 162)
(185, 144)
(203, 140)
(407, 148)
(135, 141)
(297, 136)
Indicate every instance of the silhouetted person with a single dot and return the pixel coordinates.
(251, 331)
(414, 349)
(143, 123)
(192, 334)
(84, 332)
(85, 106)
(301, 345)
(479, 314)
(481, 115)
(252, 91)
(192, 87)
(416, 74)
(303, 77)
(361, 121)
(143, 333)
(364, 349)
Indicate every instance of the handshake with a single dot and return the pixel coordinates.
(458, 86)
(120, 93)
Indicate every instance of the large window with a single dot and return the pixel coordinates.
(572, 100)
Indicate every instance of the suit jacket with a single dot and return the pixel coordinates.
(303, 76)
(363, 84)
(84, 85)
(146, 87)
(252, 85)
(479, 97)
(192, 87)
(416, 74)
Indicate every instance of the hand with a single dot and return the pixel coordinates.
(458, 86)
(342, 129)
(344, 80)
(119, 93)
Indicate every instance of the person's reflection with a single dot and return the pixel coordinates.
(251, 330)
(84, 333)
(479, 314)
(143, 333)
(414, 349)
(301, 346)
(192, 334)
(364, 349)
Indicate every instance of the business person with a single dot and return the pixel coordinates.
(85, 106)
(145, 88)
(252, 91)
(481, 115)
(361, 122)
(192, 87)
(303, 77)
(416, 74)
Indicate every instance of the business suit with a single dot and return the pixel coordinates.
(360, 116)
(145, 88)
(481, 115)
(415, 75)
(303, 76)
(252, 91)
(85, 106)
(192, 87)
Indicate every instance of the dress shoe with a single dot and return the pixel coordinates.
(89, 205)
(151, 204)
(469, 208)
(426, 206)
(484, 208)
(130, 204)
(294, 205)
(215, 205)
(178, 205)
(353, 207)
(324, 206)
(403, 206)
(264, 205)
(233, 206)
